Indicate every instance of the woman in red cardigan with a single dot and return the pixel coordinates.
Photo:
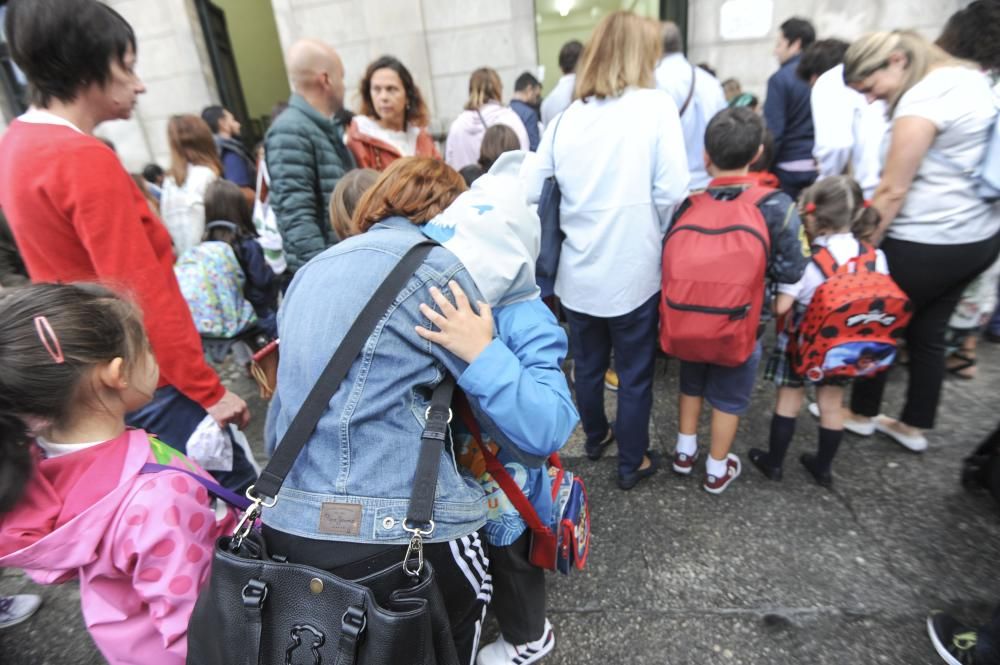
(77, 215)
(393, 119)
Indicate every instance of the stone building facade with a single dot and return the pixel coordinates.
(442, 41)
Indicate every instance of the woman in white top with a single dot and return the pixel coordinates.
(938, 233)
(194, 165)
(619, 158)
(393, 118)
(483, 110)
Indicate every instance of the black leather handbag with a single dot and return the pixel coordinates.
(262, 610)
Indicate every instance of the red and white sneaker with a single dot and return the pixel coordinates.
(683, 463)
(717, 485)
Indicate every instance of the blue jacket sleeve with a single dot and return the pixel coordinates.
(789, 246)
(260, 288)
(774, 109)
(518, 380)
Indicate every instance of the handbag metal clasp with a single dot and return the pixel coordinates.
(416, 547)
(250, 516)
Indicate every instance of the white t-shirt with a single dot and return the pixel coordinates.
(942, 206)
(182, 207)
(844, 247)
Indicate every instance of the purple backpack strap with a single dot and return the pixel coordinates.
(215, 489)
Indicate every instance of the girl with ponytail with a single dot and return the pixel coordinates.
(81, 495)
(836, 216)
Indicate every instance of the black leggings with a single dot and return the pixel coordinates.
(934, 277)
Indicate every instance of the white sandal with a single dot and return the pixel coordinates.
(853, 426)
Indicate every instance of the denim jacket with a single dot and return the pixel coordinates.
(352, 480)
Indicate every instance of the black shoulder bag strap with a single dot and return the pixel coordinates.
(687, 102)
(265, 490)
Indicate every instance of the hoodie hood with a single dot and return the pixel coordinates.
(494, 232)
(52, 551)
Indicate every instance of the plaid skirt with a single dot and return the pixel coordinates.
(779, 369)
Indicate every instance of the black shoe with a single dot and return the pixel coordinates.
(759, 458)
(595, 449)
(822, 476)
(627, 481)
(954, 641)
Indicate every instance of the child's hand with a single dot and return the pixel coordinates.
(461, 330)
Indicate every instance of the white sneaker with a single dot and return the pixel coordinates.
(15, 609)
(503, 652)
(916, 443)
(858, 427)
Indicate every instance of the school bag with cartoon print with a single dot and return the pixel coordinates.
(560, 538)
(211, 281)
(853, 322)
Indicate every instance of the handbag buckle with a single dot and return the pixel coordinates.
(354, 621)
(416, 547)
(254, 594)
(427, 413)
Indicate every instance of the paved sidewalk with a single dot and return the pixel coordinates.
(765, 574)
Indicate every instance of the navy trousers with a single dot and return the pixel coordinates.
(633, 338)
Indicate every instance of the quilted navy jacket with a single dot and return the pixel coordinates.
(306, 156)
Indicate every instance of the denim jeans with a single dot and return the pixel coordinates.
(172, 418)
(633, 338)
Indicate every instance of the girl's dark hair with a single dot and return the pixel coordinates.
(91, 325)
(497, 140)
(416, 110)
(839, 206)
(63, 46)
(224, 201)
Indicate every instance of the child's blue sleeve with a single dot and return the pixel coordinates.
(519, 380)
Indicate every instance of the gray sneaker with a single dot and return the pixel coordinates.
(15, 609)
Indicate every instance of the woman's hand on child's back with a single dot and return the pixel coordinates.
(460, 329)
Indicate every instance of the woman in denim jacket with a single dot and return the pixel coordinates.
(347, 494)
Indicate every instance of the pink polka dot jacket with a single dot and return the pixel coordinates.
(140, 544)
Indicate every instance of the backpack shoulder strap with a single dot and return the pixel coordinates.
(755, 194)
(867, 257)
(687, 102)
(824, 260)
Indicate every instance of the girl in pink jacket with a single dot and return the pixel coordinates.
(79, 493)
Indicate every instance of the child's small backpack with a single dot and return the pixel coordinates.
(714, 265)
(853, 321)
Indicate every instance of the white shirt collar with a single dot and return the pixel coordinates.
(37, 116)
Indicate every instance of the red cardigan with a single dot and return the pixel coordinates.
(76, 215)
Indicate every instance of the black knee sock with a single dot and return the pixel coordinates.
(782, 431)
(829, 441)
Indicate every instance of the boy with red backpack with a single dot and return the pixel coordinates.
(841, 320)
(724, 245)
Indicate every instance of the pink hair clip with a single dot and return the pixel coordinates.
(810, 208)
(49, 340)
(866, 204)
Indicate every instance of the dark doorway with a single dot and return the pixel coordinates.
(227, 76)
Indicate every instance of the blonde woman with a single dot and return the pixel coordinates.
(618, 155)
(938, 234)
(483, 110)
(194, 165)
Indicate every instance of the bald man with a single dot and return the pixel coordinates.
(305, 151)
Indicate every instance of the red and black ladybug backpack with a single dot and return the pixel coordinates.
(853, 322)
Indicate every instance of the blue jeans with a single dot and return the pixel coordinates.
(633, 338)
(793, 182)
(172, 418)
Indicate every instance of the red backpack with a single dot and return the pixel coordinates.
(714, 264)
(853, 320)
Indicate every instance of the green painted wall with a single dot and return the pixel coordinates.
(554, 29)
(259, 59)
